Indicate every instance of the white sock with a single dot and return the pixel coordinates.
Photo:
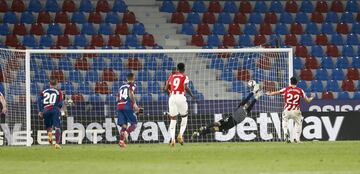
(297, 132)
(183, 125)
(285, 127)
(172, 128)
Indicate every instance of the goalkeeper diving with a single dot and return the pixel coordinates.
(234, 118)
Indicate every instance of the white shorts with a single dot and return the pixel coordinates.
(292, 114)
(177, 105)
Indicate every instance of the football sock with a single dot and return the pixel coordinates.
(57, 135)
(172, 128)
(50, 134)
(183, 125)
(122, 134)
(131, 128)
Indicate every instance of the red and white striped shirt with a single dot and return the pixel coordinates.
(292, 97)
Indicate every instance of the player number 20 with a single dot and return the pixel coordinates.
(49, 98)
(293, 99)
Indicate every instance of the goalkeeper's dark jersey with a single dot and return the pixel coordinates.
(239, 114)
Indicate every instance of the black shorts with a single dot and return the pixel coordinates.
(227, 123)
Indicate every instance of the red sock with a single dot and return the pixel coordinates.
(122, 134)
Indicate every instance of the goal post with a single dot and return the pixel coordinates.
(91, 78)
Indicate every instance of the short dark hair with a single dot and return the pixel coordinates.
(181, 67)
(53, 81)
(293, 80)
(130, 76)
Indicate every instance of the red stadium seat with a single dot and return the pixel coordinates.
(3, 6)
(353, 74)
(269, 85)
(229, 40)
(129, 17)
(177, 18)
(311, 63)
(240, 18)
(134, 64)
(245, 7)
(97, 40)
(317, 17)
(44, 17)
(337, 6)
(234, 29)
(19, 29)
(20, 47)
(270, 18)
(56, 55)
(62, 17)
(197, 40)
(148, 40)
(18, 6)
(12, 64)
(290, 39)
(259, 39)
(122, 29)
(321, 39)
(37, 29)
(58, 74)
(342, 28)
(215, 7)
(243, 75)
(102, 88)
(264, 63)
(301, 51)
(108, 75)
(71, 29)
(306, 74)
(81, 64)
(296, 28)
(327, 96)
(348, 85)
(11, 40)
(321, 6)
(68, 6)
(184, 6)
(89, 55)
(209, 18)
(95, 17)
(332, 50)
(102, 6)
(77, 98)
(114, 40)
(291, 6)
(265, 28)
(358, 17)
(1, 77)
(203, 29)
(63, 41)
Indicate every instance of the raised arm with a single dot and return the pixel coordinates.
(273, 93)
(309, 99)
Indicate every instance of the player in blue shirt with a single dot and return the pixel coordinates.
(126, 109)
(50, 102)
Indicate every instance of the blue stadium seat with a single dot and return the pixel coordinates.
(213, 40)
(286, 18)
(331, 17)
(255, 18)
(51, 6)
(224, 18)
(343, 96)
(144, 75)
(162, 97)
(306, 39)
(342, 63)
(356, 62)
(347, 51)
(302, 18)
(131, 40)
(306, 6)
(105, 29)
(227, 74)
(116, 64)
(139, 88)
(193, 18)
(244, 40)
(249, 62)
(281, 29)
(352, 39)
(160, 75)
(68, 88)
(153, 87)
(327, 28)
(230, 7)
(250, 29)
(356, 28)
(92, 75)
(34, 6)
(27, 17)
(88, 28)
(123, 75)
(311, 28)
(233, 63)
(86, 6)
(98, 63)
(112, 17)
(48, 64)
(20, 76)
(327, 62)
(356, 95)
(199, 7)
(40, 76)
(54, 29)
(336, 39)
(150, 63)
(239, 86)
(316, 86)
(187, 29)
(352, 6)
(347, 17)
(298, 63)
(45, 41)
(138, 29)
(115, 87)
(145, 98)
(168, 6)
(337, 74)
(78, 17)
(80, 40)
(119, 6)
(75, 76)
(258, 75)
(219, 29)
(94, 98)
(317, 50)
(321, 74)
(29, 41)
(276, 6)
(333, 86)
(84, 88)
(302, 84)
(10, 17)
(275, 40)
(167, 63)
(4, 29)
(260, 7)
(34, 88)
(217, 63)
(191, 86)
(15, 89)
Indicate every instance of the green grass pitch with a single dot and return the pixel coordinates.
(198, 158)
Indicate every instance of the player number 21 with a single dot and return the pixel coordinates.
(293, 99)
(49, 98)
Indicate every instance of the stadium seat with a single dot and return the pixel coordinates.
(44, 17)
(332, 85)
(298, 63)
(167, 63)
(68, 88)
(199, 7)
(348, 85)
(129, 17)
(276, 7)
(215, 7)
(317, 17)
(102, 88)
(193, 18)
(54, 29)
(347, 17)
(311, 63)
(332, 51)
(227, 74)
(97, 40)
(356, 62)
(224, 18)
(86, 6)
(260, 39)
(244, 40)
(321, 74)
(98, 64)
(306, 74)
(68, 6)
(134, 64)
(260, 7)
(255, 18)
(321, 39)
(208, 18)
(183, 6)
(342, 63)
(337, 6)
(281, 29)
(286, 18)
(18, 6)
(296, 28)
(78, 17)
(219, 29)
(71, 29)
(321, 6)
(229, 40)
(29, 41)
(331, 17)
(34, 6)
(311, 28)
(337, 74)
(145, 98)
(316, 50)
(51, 6)
(153, 87)
(27, 17)
(336, 39)
(150, 63)
(353, 74)
(213, 40)
(11, 40)
(63, 41)
(95, 17)
(343, 96)
(177, 18)
(270, 18)
(245, 7)
(230, 7)
(327, 62)
(352, 39)
(119, 6)
(45, 41)
(306, 39)
(203, 29)
(81, 64)
(4, 29)
(80, 40)
(265, 28)
(356, 96)
(61, 17)
(78, 98)
(138, 29)
(240, 18)
(356, 28)
(40, 76)
(342, 28)
(217, 63)
(238, 86)
(306, 6)
(347, 51)
(291, 6)
(131, 40)
(92, 76)
(58, 75)
(197, 40)
(302, 18)
(160, 75)
(3, 6)
(234, 29)
(243, 75)
(316, 86)
(187, 29)
(108, 75)
(88, 29)
(102, 6)
(168, 6)
(105, 29)
(144, 75)
(327, 96)
(66, 65)
(148, 40)
(250, 29)
(10, 17)
(290, 39)
(302, 84)
(352, 6)
(122, 29)
(112, 17)
(19, 29)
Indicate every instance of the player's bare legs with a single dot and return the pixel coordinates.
(50, 135)
(172, 128)
(183, 124)
(123, 136)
